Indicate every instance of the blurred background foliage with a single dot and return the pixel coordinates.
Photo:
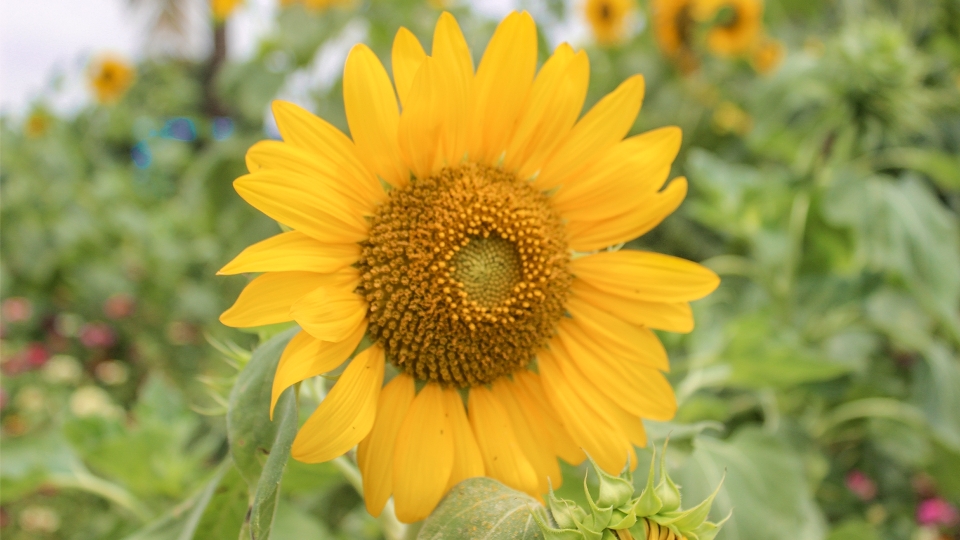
(823, 375)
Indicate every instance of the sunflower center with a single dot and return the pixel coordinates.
(466, 275)
(489, 269)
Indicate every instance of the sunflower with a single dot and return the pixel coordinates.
(110, 77)
(767, 55)
(608, 19)
(673, 26)
(737, 25)
(458, 243)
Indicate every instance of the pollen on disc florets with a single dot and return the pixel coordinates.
(466, 276)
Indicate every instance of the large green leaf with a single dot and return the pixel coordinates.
(762, 354)
(483, 508)
(936, 389)
(249, 428)
(764, 487)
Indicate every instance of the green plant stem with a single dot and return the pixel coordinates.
(90, 483)
(888, 408)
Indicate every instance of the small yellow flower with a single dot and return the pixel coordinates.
(223, 8)
(737, 25)
(766, 57)
(37, 124)
(480, 278)
(110, 77)
(318, 5)
(729, 118)
(609, 19)
(673, 26)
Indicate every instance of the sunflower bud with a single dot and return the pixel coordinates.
(655, 514)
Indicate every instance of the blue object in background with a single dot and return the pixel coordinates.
(180, 129)
(141, 155)
(222, 127)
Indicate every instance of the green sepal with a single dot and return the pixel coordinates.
(649, 502)
(615, 491)
(600, 515)
(690, 519)
(566, 513)
(667, 491)
(622, 520)
(549, 533)
(708, 530)
(589, 533)
(608, 535)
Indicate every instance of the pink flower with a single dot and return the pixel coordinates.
(119, 306)
(937, 511)
(97, 335)
(861, 485)
(36, 355)
(16, 309)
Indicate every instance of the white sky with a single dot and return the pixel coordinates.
(40, 39)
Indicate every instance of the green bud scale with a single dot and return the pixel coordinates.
(616, 514)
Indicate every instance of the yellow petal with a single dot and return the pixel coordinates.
(267, 299)
(375, 452)
(605, 441)
(456, 72)
(642, 391)
(635, 344)
(330, 313)
(301, 203)
(628, 423)
(423, 459)
(540, 456)
(373, 115)
(407, 56)
(503, 80)
(645, 275)
(649, 212)
(631, 171)
(551, 109)
(601, 128)
(538, 410)
(309, 132)
(503, 458)
(306, 356)
(421, 124)
(467, 462)
(346, 415)
(330, 173)
(669, 316)
(291, 251)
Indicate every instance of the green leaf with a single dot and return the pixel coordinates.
(249, 428)
(936, 390)
(765, 486)
(853, 529)
(483, 507)
(224, 515)
(267, 494)
(183, 520)
(763, 354)
(942, 168)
